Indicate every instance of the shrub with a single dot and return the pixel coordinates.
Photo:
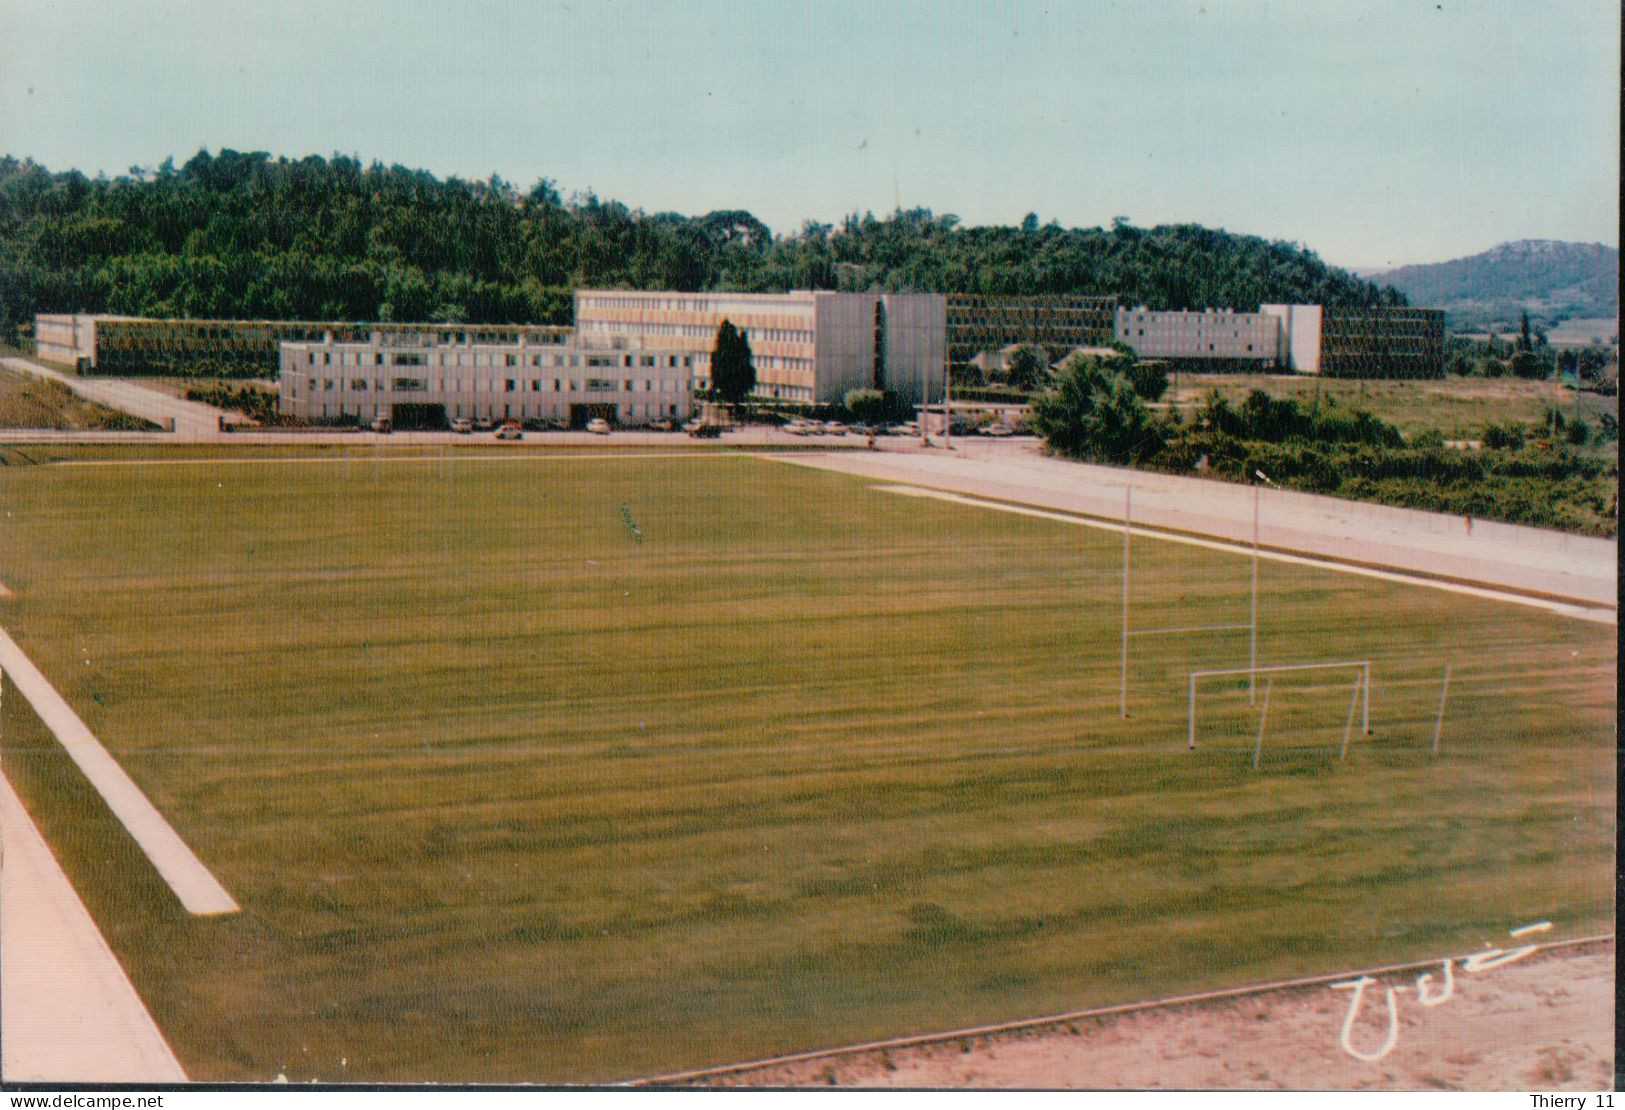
(1150, 379)
(1094, 413)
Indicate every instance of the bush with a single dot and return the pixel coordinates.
(1094, 413)
(1150, 379)
(1579, 432)
(1504, 436)
(866, 406)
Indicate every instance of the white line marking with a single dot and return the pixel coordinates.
(1537, 927)
(192, 883)
(1576, 610)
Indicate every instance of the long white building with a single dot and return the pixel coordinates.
(552, 377)
(1218, 337)
(808, 347)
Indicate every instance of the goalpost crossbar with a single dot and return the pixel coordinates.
(1188, 628)
(1362, 688)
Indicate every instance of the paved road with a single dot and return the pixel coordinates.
(68, 1013)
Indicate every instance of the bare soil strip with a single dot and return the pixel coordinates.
(197, 889)
(68, 1013)
(1544, 1022)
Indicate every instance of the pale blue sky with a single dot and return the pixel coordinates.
(1376, 133)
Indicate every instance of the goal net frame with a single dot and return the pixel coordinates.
(1360, 698)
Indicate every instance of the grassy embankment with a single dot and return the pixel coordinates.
(1457, 408)
(34, 403)
(508, 792)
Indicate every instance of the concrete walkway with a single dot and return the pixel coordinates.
(68, 1013)
(1504, 556)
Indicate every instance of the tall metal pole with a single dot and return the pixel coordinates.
(1122, 690)
(925, 403)
(947, 401)
(1252, 634)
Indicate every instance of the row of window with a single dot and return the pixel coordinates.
(1153, 349)
(491, 358)
(624, 413)
(644, 302)
(706, 332)
(490, 385)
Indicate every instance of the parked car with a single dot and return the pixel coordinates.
(997, 429)
(598, 426)
(482, 424)
(462, 426)
(705, 431)
(510, 431)
(834, 428)
(382, 424)
(664, 425)
(799, 428)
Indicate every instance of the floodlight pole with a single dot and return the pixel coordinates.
(1122, 694)
(1252, 634)
(947, 401)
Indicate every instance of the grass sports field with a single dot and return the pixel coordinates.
(582, 768)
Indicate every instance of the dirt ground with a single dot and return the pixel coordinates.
(1545, 1023)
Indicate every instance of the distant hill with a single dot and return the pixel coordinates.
(1551, 280)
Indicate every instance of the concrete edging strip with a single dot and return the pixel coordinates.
(68, 1012)
(198, 890)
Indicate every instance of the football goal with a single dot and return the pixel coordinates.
(1359, 696)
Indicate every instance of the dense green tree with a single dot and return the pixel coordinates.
(247, 235)
(1149, 378)
(1093, 413)
(733, 374)
(1027, 367)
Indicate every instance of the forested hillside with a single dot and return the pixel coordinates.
(248, 236)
